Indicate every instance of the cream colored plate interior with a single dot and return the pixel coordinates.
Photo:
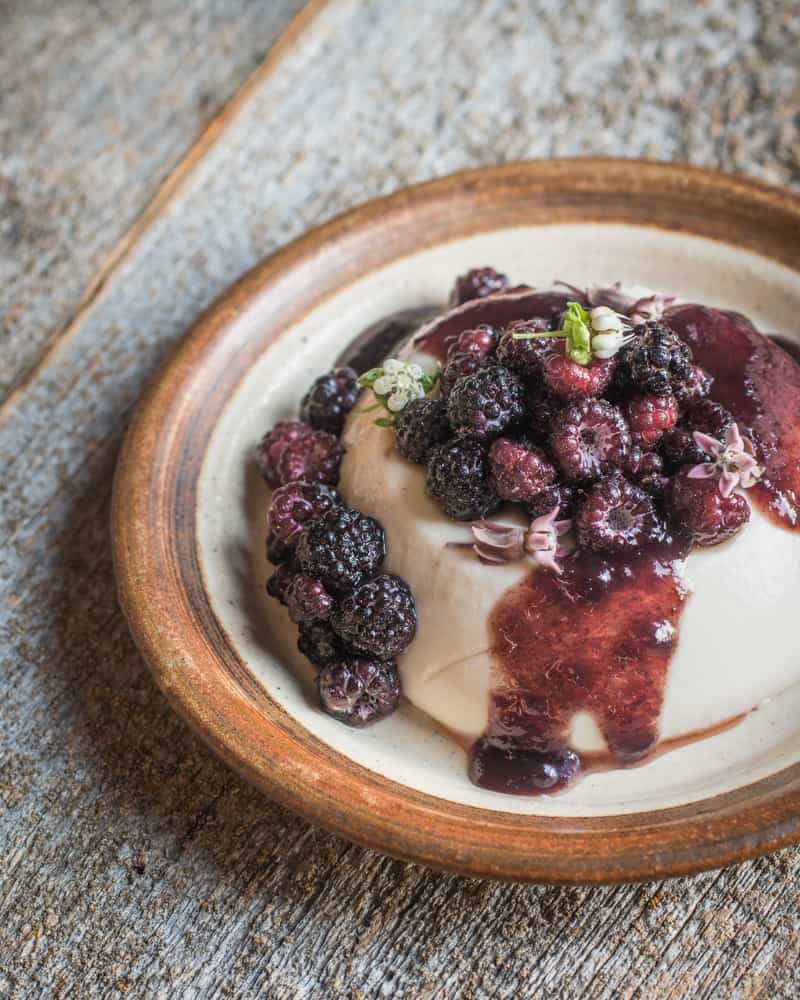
(410, 748)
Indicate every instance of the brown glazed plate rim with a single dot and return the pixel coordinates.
(162, 591)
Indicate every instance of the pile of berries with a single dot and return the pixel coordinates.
(611, 442)
(353, 620)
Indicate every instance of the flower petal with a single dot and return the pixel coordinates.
(728, 482)
(709, 444)
(703, 471)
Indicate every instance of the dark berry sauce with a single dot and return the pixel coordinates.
(598, 639)
(497, 311)
(758, 380)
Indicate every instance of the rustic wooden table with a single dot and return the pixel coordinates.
(149, 154)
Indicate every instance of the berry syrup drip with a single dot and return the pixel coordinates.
(380, 339)
(758, 380)
(598, 639)
(497, 311)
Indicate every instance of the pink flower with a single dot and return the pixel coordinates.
(541, 539)
(499, 543)
(734, 462)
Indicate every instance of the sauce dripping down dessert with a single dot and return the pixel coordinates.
(559, 454)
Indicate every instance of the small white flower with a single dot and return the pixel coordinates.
(397, 383)
(606, 345)
(605, 320)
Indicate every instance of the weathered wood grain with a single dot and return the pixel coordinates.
(131, 861)
(98, 101)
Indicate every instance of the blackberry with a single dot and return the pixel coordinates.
(329, 400)
(542, 407)
(649, 414)
(699, 508)
(341, 548)
(481, 341)
(657, 360)
(293, 450)
(709, 417)
(378, 618)
(678, 448)
(696, 387)
(459, 366)
(482, 405)
(478, 283)
(295, 505)
(277, 551)
(558, 494)
(458, 476)
(307, 600)
(320, 644)
(589, 439)
(278, 583)
(639, 462)
(519, 471)
(356, 690)
(422, 425)
(525, 357)
(617, 516)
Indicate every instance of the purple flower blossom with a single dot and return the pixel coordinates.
(498, 543)
(733, 462)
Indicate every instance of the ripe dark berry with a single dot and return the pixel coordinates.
(482, 405)
(589, 439)
(478, 283)
(709, 417)
(277, 551)
(421, 426)
(572, 381)
(458, 476)
(559, 494)
(307, 600)
(295, 505)
(292, 451)
(701, 510)
(460, 366)
(617, 516)
(329, 400)
(678, 448)
(378, 618)
(519, 471)
(341, 548)
(542, 407)
(648, 416)
(657, 361)
(481, 341)
(696, 387)
(525, 357)
(278, 583)
(640, 462)
(657, 485)
(356, 690)
(320, 644)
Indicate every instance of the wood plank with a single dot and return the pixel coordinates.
(97, 105)
(132, 861)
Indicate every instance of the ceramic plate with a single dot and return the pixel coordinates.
(189, 521)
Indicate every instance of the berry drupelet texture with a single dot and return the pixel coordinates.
(459, 366)
(617, 516)
(560, 494)
(696, 387)
(278, 583)
(459, 477)
(378, 617)
(481, 341)
(293, 450)
(678, 448)
(295, 505)
(320, 644)
(421, 426)
(329, 400)
(589, 439)
(519, 471)
(307, 600)
(341, 549)
(709, 417)
(478, 283)
(357, 690)
(700, 509)
(483, 405)
(657, 361)
(525, 357)
(277, 551)
(571, 381)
